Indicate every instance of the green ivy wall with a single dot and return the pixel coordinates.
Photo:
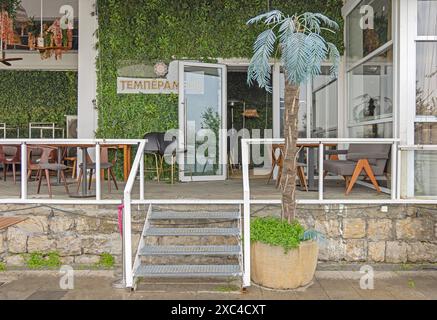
(152, 30)
(37, 96)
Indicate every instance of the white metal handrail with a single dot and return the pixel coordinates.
(127, 213)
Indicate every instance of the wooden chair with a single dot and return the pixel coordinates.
(367, 160)
(45, 164)
(278, 161)
(69, 157)
(10, 155)
(105, 164)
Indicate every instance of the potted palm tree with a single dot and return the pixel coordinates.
(284, 256)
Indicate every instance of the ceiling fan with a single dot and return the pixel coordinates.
(3, 59)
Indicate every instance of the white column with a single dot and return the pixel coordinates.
(276, 82)
(87, 82)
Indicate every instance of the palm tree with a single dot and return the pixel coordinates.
(296, 42)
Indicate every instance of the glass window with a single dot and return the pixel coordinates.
(377, 130)
(324, 112)
(371, 90)
(427, 17)
(425, 175)
(426, 133)
(361, 37)
(426, 79)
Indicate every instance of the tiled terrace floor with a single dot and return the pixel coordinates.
(220, 190)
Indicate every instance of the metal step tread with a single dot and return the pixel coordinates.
(163, 215)
(192, 232)
(188, 271)
(189, 250)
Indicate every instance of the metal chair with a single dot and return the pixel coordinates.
(10, 155)
(46, 165)
(105, 164)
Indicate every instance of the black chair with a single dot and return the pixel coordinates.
(152, 148)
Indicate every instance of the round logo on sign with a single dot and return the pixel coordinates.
(161, 69)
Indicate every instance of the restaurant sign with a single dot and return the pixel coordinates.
(162, 79)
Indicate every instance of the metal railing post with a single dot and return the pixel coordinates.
(142, 175)
(394, 173)
(246, 211)
(98, 173)
(321, 171)
(127, 242)
(23, 171)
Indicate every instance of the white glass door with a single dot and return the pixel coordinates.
(202, 121)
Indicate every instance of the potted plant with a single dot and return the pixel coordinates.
(297, 42)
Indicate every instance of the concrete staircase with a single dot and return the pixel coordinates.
(188, 242)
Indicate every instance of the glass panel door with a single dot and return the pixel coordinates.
(202, 120)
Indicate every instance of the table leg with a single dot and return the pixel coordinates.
(85, 172)
(84, 193)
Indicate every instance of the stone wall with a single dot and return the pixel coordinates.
(79, 235)
(404, 234)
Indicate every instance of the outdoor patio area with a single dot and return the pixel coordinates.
(231, 189)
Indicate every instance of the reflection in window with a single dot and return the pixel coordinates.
(425, 175)
(426, 133)
(426, 18)
(426, 79)
(360, 42)
(377, 130)
(324, 112)
(371, 95)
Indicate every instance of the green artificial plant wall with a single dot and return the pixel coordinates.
(153, 30)
(37, 96)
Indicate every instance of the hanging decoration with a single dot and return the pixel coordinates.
(58, 37)
(50, 38)
(6, 35)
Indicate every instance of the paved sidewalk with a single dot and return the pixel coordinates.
(97, 285)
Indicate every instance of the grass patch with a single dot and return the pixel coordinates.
(227, 288)
(2, 267)
(106, 261)
(37, 260)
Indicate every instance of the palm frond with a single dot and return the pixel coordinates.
(317, 53)
(259, 69)
(273, 16)
(328, 22)
(295, 57)
(334, 57)
(313, 235)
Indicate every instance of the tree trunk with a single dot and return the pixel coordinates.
(288, 181)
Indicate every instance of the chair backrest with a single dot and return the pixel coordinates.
(377, 154)
(46, 154)
(10, 151)
(152, 145)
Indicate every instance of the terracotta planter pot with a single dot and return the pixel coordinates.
(273, 268)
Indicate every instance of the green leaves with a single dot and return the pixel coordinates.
(303, 49)
(37, 96)
(273, 231)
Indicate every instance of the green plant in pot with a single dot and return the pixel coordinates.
(296, 42)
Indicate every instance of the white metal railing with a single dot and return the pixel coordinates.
(90, 143)
(138, 164)
(42, 127)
